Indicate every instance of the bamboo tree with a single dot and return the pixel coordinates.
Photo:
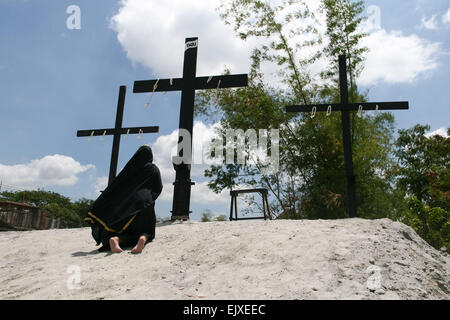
(344, 18)
(311, 181)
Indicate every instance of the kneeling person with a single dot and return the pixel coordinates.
(124, 214)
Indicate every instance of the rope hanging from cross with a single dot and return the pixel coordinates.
(188, 85)
(345, 107)
(117, 131)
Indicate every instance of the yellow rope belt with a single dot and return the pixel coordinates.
(104, 224)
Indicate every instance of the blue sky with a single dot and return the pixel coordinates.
(55, 81)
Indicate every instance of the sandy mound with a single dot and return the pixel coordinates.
(345, 259)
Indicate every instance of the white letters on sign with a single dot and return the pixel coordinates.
(191, 44)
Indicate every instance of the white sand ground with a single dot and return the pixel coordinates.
(345, 259)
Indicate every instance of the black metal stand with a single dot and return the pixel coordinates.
(266, 209)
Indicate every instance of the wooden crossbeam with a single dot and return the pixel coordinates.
(201, 83)
(113, 131)
(367, 106)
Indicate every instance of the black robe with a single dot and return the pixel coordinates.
(126, 208)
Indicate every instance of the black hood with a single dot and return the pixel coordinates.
(146, 152)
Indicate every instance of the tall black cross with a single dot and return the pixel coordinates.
(117, 131)
(187, 85)
(344, 106)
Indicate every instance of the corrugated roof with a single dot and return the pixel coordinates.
(18, 204)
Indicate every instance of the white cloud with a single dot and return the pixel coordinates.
(165, 147)
(431, 23)
(396, 58)
(52, 170)
(203, 195)
(152, 34)
(446, 17)
(100, 184)
(440, 132)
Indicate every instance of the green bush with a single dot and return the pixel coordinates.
(432, 224)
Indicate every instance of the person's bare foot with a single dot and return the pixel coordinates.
(140, 245)
(114, 244)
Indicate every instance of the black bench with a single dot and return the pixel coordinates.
(266, 210)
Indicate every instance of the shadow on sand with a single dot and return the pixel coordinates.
(83, 254)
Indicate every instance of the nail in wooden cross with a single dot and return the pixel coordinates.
(344, 106)
(187, 85)
(117, 132)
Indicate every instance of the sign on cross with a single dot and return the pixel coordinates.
(345, 107)
(117, 131)
(187, 85)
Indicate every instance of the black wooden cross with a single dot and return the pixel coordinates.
(344, 106)
(187, 85)
(117, 132)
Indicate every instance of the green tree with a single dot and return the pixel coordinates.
(68, 217)
(259, 106)
(423, 178)
(372, 137)
(343, 19)
(39, 198)
(206, 216)
(221, 217)
(277, 24)
(311, 181)
(81, 208)
(423, 166)
(71, 214)
(432, 224)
